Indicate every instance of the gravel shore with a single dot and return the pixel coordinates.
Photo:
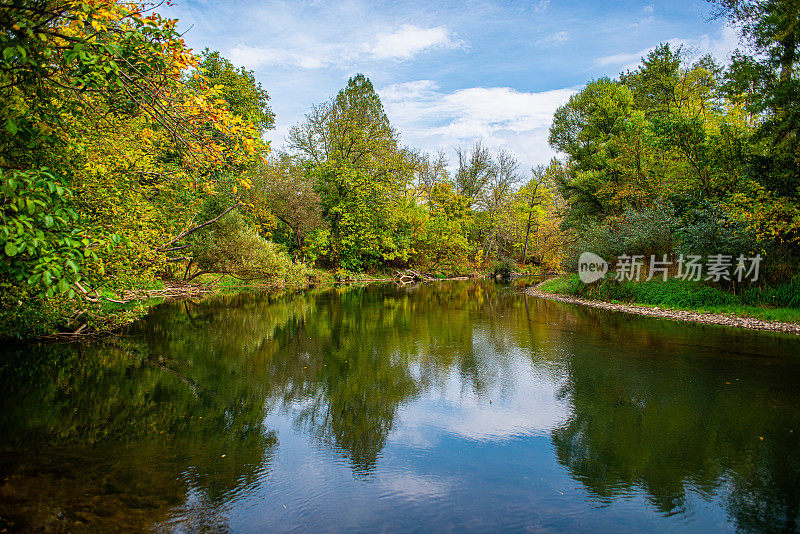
(673, 315)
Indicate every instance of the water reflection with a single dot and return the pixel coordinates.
(464, 405)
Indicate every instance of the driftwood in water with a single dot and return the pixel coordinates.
(410, 276)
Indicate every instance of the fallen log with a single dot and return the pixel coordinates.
(410, 276)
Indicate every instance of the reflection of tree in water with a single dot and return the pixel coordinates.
(766, 492)
(118, 434)
(645, 415)
(165, 427)
(352, 382)
(362, 353)
(166, 424)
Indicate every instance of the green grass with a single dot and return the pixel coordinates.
(778, 303)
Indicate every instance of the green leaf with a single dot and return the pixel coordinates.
(48, 279)
(11, 249)
(63, 286)
(11, 126)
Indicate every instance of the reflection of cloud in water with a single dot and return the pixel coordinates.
(528, 407)
(414, 486)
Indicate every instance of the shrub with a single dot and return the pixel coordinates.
(503, 269)
(651, 230)
(25, 314)
(678, 293)
(783, 295)
(233, 247)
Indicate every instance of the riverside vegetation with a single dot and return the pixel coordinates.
(132, 166)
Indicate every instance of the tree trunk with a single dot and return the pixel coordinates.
(527, 234)
(528, 226)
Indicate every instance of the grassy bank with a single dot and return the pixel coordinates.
(778, 303)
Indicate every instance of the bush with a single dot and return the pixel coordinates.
(503, 269)
(24, 314)
(677, 293)
(231, 246)
(784, 295)
(651, 230)
(707, 229)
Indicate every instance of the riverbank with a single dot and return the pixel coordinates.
(98, 313)
(670, 313)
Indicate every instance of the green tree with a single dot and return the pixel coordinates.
(362, 175)
(245, 96)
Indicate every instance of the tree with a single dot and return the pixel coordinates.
(650, 151)
(430, 173)
(351, 129)
(42, 246)
(245, 97)
(766, 82)
(107, 120)
(286, 188)
(772, 27)
(495, 204)
(361, 175)
(588, 129)
(441, 243)
(532, 195)
(474, 171)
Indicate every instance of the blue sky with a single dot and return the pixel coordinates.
(448, 73)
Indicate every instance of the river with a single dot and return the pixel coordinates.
(452, 406)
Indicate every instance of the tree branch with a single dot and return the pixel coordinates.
(196, 228)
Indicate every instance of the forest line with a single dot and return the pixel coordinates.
(129, 162)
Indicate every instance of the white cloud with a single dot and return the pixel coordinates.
(402, 43)
(555, 38)
(430, 119)
(540, 6)
(618, 59)
(720, 47)
(408, 40)
(451, 409)
(414, 486)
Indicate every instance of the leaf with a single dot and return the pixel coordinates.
(11, 249)
(11, 126)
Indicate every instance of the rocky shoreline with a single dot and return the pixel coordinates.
(734, 321)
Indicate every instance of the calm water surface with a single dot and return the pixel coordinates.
(452, 407)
